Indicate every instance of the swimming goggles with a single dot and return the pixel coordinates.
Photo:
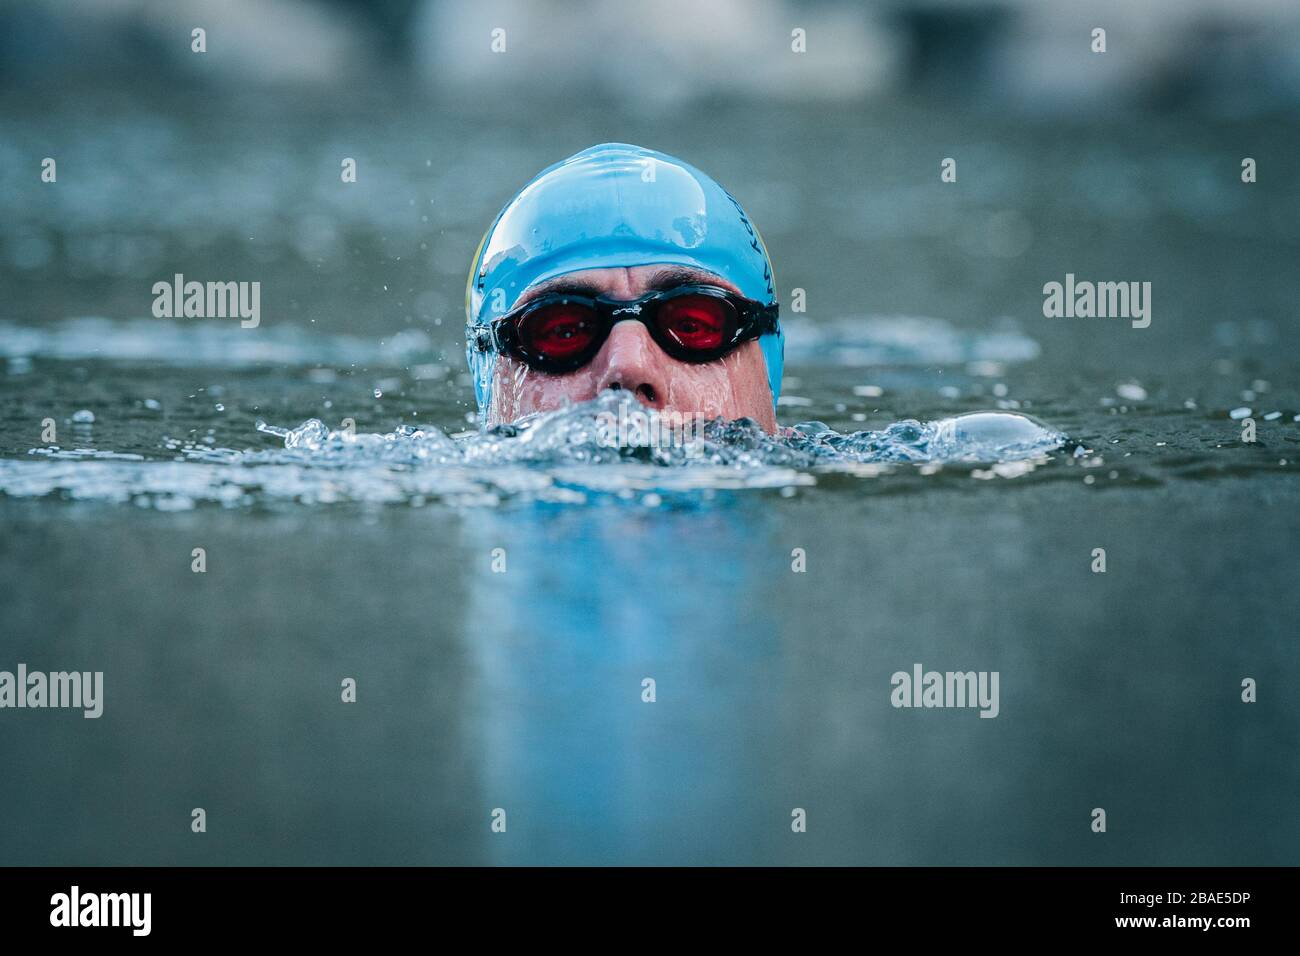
(560, 332)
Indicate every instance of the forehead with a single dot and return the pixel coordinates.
(632, 280)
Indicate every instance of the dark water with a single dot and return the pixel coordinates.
(522, 690)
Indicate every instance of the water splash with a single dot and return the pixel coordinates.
(582, 434)
(568, 456)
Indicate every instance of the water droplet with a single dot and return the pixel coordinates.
(1131, 391)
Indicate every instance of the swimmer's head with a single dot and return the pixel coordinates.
(622, 267)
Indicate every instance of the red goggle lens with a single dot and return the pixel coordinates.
(697, 323)
(559, 331)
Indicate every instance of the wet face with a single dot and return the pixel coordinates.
(734, 386)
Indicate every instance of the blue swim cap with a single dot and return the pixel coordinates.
(615, 205)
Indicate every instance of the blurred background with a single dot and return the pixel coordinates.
(226, 164)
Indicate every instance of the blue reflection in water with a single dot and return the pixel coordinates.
(592, 602)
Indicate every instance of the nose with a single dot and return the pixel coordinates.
(631, 361)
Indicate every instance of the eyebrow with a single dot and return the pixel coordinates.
(680, 275)
(561, 285)
(660, 281)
